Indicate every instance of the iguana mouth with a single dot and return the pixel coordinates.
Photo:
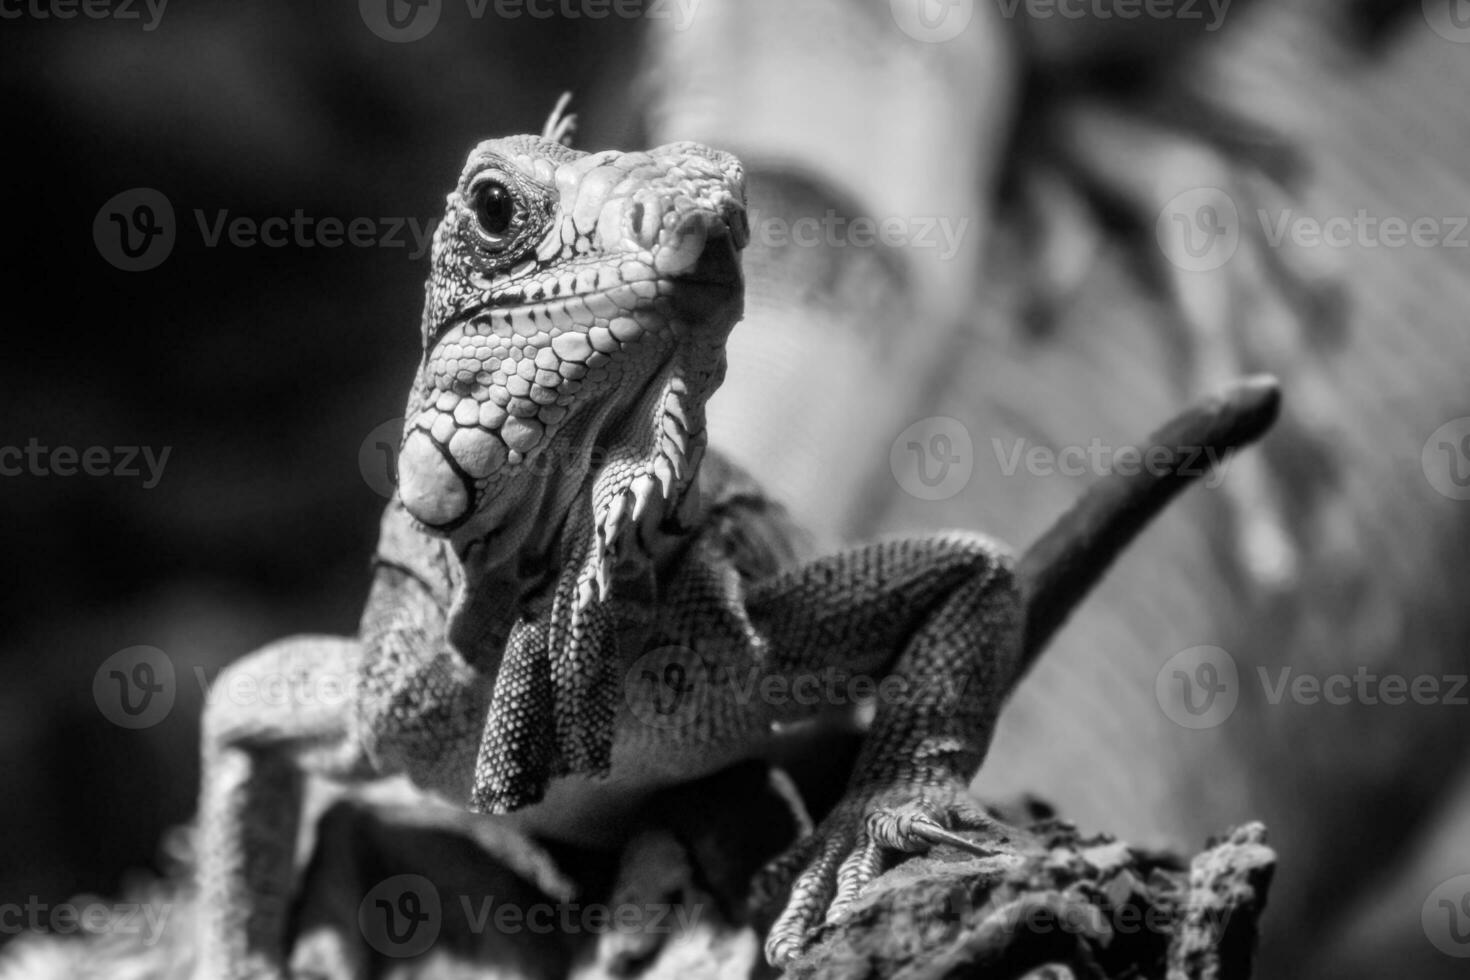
(485, 447)
(713, 280)
(650, 438)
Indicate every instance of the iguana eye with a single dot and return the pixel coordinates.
(495, 211)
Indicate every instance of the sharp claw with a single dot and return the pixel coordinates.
(932, 832)
(842, 905)
(780, 952)
(614, 521)
(642, 489)
(676, 460)
(843, 866)
(664, 470)
(674, 408)
(604, 576)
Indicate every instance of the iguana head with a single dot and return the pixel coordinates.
(574, 326)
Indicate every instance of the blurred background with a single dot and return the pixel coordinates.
(1073, 145)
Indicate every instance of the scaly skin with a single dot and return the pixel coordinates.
(558, 564)
(558, 416)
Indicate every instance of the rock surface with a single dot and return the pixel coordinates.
(1091, 905)
(1052, 903)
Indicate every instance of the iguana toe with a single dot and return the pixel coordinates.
(825, 873)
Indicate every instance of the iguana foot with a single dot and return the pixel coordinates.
(823, 874)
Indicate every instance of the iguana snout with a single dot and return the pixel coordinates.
(574, 326)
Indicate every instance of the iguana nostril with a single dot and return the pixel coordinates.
(645, 218)
(738, 221)
(683, 245)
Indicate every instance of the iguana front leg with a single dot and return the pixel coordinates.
(936, 622)
(260, 733)
(398, 700)
(949, 621)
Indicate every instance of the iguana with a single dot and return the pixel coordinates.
(560, 534)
